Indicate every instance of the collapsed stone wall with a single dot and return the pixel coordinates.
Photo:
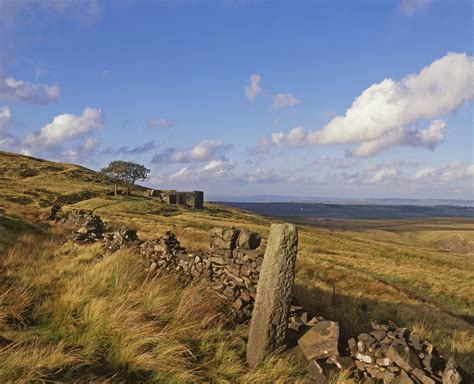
(232, 265)
(388, 353)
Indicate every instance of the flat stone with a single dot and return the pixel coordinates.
(388, 377)
(378, 334)
(342, 362)
(316, 373)
(404, 357)
(402, 378)
(453, 374)
(321, 340)
(269, 321)
(352, 344)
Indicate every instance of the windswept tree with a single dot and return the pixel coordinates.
(126, 173)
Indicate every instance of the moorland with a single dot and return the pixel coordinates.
(73, 320)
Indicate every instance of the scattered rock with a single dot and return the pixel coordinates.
(321, 340)
(453, 374)
(54, 212)
(316, 373)
(123, 237)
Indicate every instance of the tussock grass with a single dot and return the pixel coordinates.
(110, 321)
(58, 296)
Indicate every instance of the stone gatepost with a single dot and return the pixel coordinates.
(274, 290)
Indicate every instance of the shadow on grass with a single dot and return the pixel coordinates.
(354, 316)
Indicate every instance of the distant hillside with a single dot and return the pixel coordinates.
(30, 181)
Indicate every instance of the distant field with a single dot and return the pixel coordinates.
(353, 211)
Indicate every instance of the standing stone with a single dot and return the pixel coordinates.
(274, 290)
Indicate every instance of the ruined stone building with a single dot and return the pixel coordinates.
(194, 199)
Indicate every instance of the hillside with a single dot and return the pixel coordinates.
(71, 318)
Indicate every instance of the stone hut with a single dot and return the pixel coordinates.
(194, 199)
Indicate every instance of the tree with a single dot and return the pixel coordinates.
(125, 172)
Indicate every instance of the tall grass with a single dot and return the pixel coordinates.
(77, 319)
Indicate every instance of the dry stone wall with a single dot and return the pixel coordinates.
(232, 265)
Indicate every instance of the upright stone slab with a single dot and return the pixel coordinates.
(274, 290)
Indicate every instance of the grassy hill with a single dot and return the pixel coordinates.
(72, 319)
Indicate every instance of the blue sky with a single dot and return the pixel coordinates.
(302, 98)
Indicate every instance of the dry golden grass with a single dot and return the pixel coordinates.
(80, 321)
(117, 324)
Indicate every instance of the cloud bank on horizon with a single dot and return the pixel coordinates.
(258, 124)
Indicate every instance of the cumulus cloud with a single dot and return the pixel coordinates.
(444, 173)
(411, 7)
(387, 114)
(214, 170)
(282, 100)
(160, 123)
(428, 138)
(253, 89)
(125, 150)
(206, 150)
(5, 118)
(65, 127)
(19, 90)
(81, 151)
(384, 175)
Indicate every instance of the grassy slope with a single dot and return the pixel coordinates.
(347, 275)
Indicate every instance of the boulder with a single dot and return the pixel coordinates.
(223, 238)
(321, 340)
(248, 240)
(404, 357)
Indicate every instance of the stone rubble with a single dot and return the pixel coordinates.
(54, 212)
(387, 354)
(89, 227)
(122, 238)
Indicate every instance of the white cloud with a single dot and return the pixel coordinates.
(384, 175)
(282, 100)
(204, 151)
(429, 138)
(445, 173)
(19, 90)
(160, 123)
(253, 89)
(214, 170)
(387, 114)
(5, 118)
(411, 7)
(81, 151)
(65, 127)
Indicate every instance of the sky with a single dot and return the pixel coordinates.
(346, 99)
